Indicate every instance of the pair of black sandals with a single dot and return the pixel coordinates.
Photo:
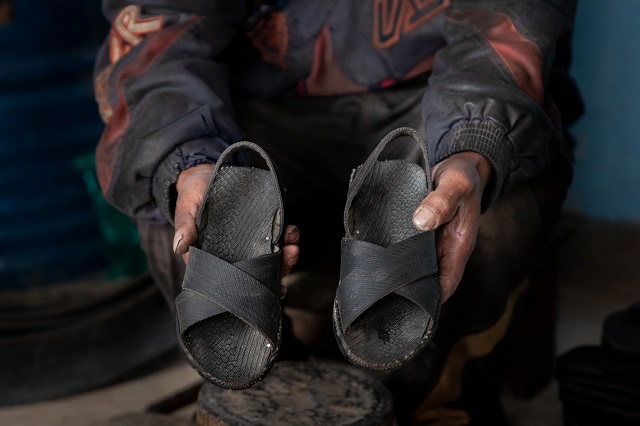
(387, 304)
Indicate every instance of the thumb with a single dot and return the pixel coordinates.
(439, 207)
(191, 186)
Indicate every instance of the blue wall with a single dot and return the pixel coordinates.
(606, 66)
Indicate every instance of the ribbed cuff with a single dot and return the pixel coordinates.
(488, 139)
(186, 155)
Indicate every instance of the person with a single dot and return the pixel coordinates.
(317, 84)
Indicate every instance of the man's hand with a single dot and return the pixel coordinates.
(191, 186)
(454, 206)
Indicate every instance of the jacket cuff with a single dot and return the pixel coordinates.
(186, 155)
(488, 139)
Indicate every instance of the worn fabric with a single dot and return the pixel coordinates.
(169, 72)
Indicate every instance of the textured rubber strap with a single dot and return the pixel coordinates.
(193, 307)
(370, 272)
(248, 289)
(425, 293)
(226, 157)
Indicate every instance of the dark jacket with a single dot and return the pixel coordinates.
(166, 71)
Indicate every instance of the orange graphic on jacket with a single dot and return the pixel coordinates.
(394, 18)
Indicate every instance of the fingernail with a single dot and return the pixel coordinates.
(424, 219)
(295, 231)
(176, 241)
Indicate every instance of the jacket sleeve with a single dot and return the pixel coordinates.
(161, 87)
(487, 92)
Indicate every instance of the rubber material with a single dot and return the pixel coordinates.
(388, 299)
(228, 312)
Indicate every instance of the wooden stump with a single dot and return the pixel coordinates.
(300, 394)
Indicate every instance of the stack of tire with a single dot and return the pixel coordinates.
(600, 384)
(64, 327)
(47, 117)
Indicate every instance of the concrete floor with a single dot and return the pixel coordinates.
(598, 273)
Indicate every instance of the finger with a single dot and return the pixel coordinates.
(437, 208)
(455, 243)
(191, 186)
(452, 187)
(451, 265)
(291, 235)
(290, 254)
(185, 223)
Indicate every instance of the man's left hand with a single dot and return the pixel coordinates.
(454, 207)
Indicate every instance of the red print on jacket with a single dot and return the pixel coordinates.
(395, 18)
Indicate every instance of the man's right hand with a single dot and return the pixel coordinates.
(191, 186)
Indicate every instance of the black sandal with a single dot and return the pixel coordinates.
(388, 300)
(229, 316)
